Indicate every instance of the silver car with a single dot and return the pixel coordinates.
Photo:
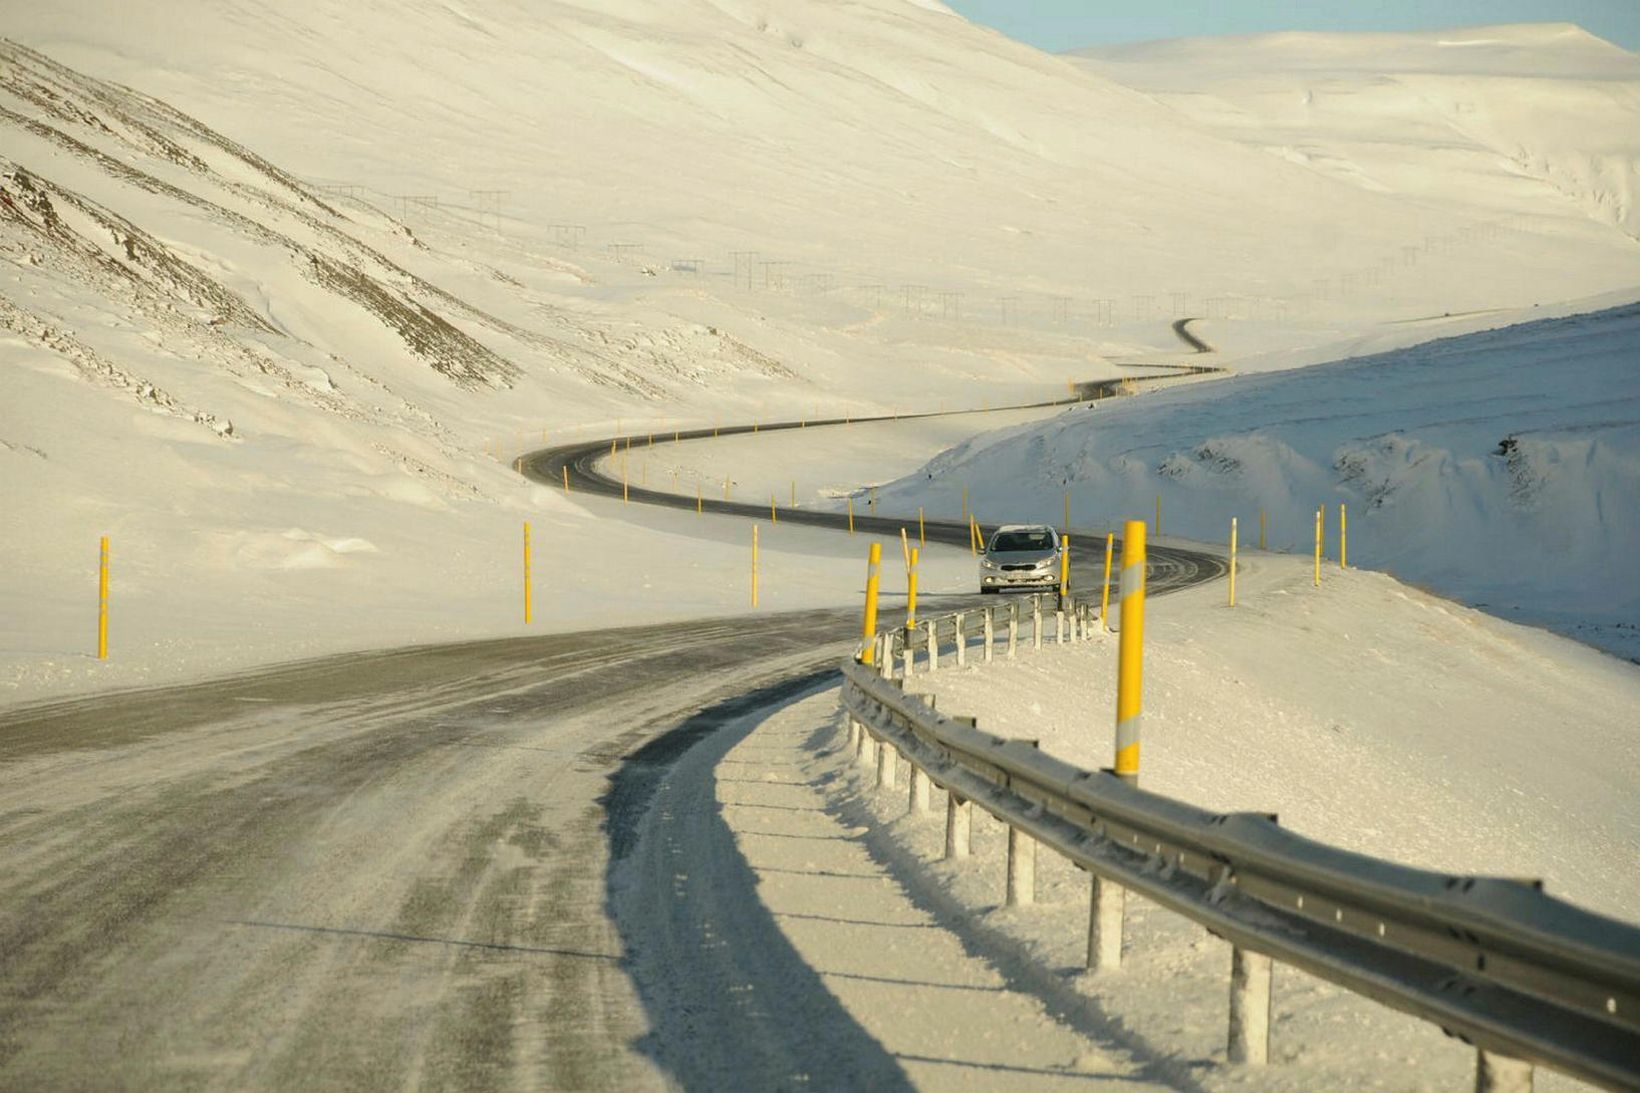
(1020, 556)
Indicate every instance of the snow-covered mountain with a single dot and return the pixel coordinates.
(285, 288)
(1540, 121)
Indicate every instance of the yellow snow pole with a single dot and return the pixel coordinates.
(1104, 597)
(1232, 561)
(1318, 511)
(1064, 567)
(774, 513)
(527, 604)
(102, 602)
(625, 494)
(905, 548)
(868, 629)
(922, 530)
(851, 514)
(754, 565)
(566, 477)
(911, 590)
(1130, 653)
(1261, 529)
(1343, 537)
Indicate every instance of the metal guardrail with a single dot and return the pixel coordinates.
(1494, 961)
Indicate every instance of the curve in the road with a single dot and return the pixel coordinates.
(1169, 567)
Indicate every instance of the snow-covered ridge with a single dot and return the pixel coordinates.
(1502, 467)
(1509, 117)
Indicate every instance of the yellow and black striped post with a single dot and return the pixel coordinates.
(527, 592)
(102, 602)
(1104, 597)
(868, 631)
(1130, 654)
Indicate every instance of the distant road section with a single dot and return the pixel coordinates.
(1182, 328)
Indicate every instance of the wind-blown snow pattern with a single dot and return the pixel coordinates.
(1502, 467)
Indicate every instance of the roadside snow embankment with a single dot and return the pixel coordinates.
(1502, 468)
(1369, 715)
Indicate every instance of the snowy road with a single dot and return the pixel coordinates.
(395, 869)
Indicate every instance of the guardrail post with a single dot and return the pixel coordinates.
(1021, 868)
(1249, 1007)
(919, 789)
(959, 825)
(1036, 621)
(887, 764)
(1501, 1074)
(1105, 925)
(866, 755)
(1059, 627)
(1013, 628)
(910, 655)
(933, 647)
(990, 632)
(962, 646)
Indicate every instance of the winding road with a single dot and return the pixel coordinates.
(424, 868)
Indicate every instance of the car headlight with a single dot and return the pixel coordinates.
(986, 563)
(1044, 563)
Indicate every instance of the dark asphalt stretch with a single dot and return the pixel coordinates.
(405, 869)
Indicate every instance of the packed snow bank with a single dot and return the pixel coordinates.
(1502, 468)
(1366, 713)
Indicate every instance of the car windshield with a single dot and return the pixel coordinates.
(1036, 539)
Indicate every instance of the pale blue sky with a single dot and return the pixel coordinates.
(1066, 24)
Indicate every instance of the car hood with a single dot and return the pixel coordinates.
(1021, 557)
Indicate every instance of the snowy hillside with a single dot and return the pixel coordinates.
(1539, 120)
(1502, 467)
(278, 309)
